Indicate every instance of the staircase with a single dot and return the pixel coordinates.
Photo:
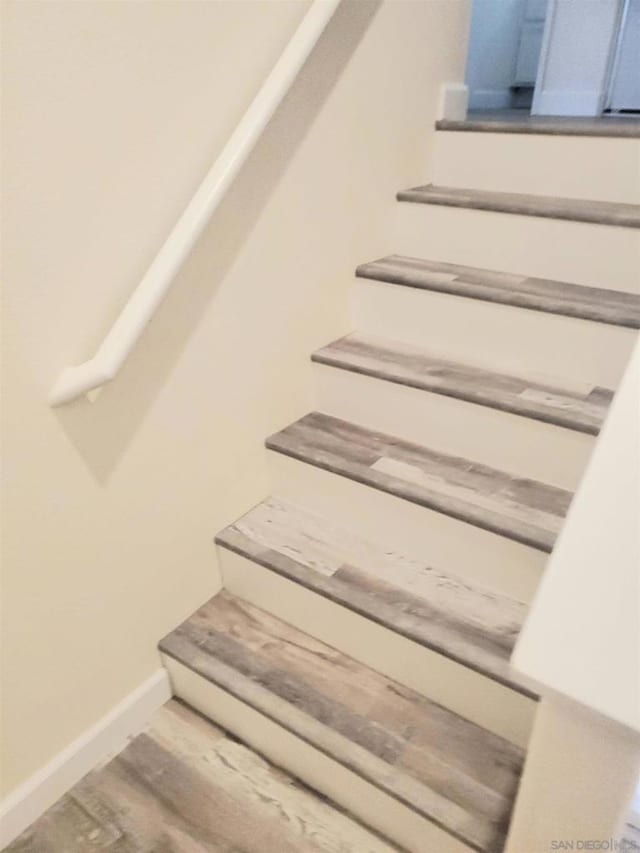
(372, 602)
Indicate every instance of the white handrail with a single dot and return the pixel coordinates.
(136, 314)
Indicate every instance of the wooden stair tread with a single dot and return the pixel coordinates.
(580, 409)
(458, 775)
(501, 122)
(520, 509)
(526, 204)
(471, 625)
(556, 297)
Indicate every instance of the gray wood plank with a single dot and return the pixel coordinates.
(520, 509)
(470, 625)
(518, 121)
(453, 772)
(525, 204)
(582, 410)
(185, 787)
(537, 294)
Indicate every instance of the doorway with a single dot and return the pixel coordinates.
(554, 58)
(505, 43)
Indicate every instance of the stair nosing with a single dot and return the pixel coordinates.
(341, 362)
(431, 505)
(616, 214)
(339, 593)
(353, 766)
(493, 293)
(544, 540)
(333, 743)
(531, 128)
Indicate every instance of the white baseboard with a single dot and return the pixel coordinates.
(453, 101)
(489, 99)
(555, 103)
(107, 737)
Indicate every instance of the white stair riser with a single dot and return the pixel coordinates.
(598, 168)
(579, 252)
(479, 699)
(372, 806)
(519, 445)
(446, 543)
(504, 338)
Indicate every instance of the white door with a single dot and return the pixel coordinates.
(573, 76)
(531, 31)
(625, 83)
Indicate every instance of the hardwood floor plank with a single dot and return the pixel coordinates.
(241, 771)
(461, 776)
(519, 121)
(186, 787)
(471, 625)
(440, 811)
(556, 297)
(67, 827)
(581, 409)
(577, 210)
(520, 509)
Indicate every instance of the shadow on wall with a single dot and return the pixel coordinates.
(102, 430)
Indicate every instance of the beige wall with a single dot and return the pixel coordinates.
(112, 113)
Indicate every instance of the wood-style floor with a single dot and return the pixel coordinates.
(582, 409)
(521, 121)
(517, 508)
(185, 786)
(467, 623)
(445, 768)
(537, 294)
(527, 204)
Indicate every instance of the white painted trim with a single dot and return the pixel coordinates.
(133, 319)
(453, 101)
(108, 736)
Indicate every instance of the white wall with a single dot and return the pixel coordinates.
(582, 636)
(112, 112)
(493, 48)
(573, 71)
